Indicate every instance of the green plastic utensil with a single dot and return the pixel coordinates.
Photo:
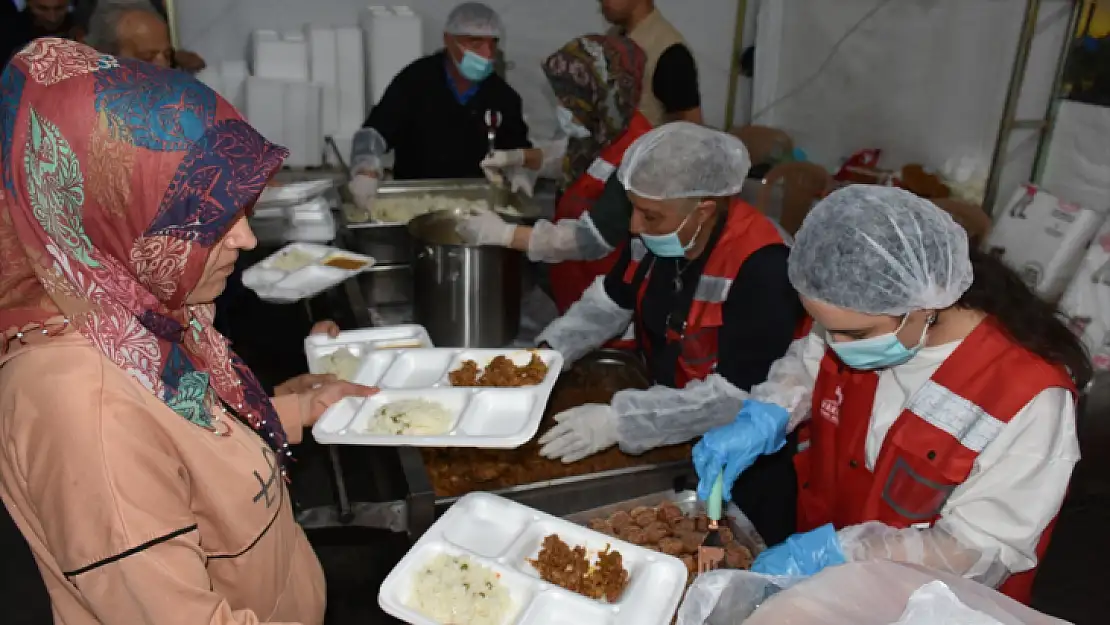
(716, 496)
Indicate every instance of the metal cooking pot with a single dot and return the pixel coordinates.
(466, 296)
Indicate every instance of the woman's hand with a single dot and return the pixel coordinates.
(303, 383)
(328, 327)
(316, 401)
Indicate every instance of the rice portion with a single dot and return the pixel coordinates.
(410, 417)
(456, 590)
(292, 260)
(342, 363)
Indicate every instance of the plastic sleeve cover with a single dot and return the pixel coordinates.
(791, 378)
(367, 148)
(566, 239)
(592, 320)
(662, 415)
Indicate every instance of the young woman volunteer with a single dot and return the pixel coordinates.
(938, 394)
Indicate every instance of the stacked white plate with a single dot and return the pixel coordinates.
(502, 536)
(487, 417)
(301, 270)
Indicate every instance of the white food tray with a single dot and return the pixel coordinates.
(279, 286)
(486, 417)
(503, 535)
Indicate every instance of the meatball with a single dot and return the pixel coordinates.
(657, 531)
(638, 510)
(644, 518)
(701, 523)
(671, 546)
(632, 534)
(683, 524)
(603, 526)
(691, 541)
(668, 513)
(620, 520)
(737, 556)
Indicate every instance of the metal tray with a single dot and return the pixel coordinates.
(468, 189)
(687, 501)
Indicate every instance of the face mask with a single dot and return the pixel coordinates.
(475, 67)
(571, 127)
(878, 352)
(669, 245)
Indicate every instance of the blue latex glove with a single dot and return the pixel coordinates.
(760, 428)
(801, 555)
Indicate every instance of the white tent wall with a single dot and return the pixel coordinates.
(925, 80)
(1078, 165)
(219, 30)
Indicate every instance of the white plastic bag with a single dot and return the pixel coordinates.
(1086, 302)
(935, 604)
(875, 592)
(1043, 238)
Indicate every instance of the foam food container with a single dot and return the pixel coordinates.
(503, 535)
(486, 417)
(283, 285)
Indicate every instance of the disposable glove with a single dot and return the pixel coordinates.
(363, 188)
(759, 429)
(802, 555)
(486, 228)
(495, 165)
(581, 432)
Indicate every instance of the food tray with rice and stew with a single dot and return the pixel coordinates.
(491, 561)
(437, 397)
(302, 270)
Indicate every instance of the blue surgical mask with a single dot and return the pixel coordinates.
(475, 67)
(569, 125)
(878, 352)
(669, 245)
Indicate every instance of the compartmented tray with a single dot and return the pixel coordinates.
(311, 269)
(362, 342)
(484, 416)
(503, 536)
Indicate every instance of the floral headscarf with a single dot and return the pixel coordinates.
(598, 78)
(118, 179)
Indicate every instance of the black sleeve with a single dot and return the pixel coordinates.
(612, 212)
(622, 294)
(675, 82)
(759, 318)
(513, 133)
(390, 116)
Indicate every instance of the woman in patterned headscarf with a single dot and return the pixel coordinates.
(597, 81)
(138, 454)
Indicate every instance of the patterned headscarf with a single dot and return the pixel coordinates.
(598, 78)
(118, 179)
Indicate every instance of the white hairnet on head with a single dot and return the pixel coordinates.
(474, 19)
(880, 251)
(685, 160)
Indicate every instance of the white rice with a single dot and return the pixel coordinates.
(292, 260)
(342, 363)
(456, 590)
(410, 417)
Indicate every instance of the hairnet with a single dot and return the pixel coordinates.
(881, 251)
(474, 19)
(685, 160)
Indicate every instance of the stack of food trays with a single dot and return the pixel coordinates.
(432, 397)
(302, 270)
(492, 561)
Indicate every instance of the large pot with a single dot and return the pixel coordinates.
(466, 296)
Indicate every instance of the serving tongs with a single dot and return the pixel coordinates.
(493, 122)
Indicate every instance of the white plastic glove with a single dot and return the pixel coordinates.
(494, 165)
(581, 432)
(363, 187)
(486, 228)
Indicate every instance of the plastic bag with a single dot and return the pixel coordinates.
(935, 603)
(876, 592)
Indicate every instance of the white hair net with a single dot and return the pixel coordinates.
(685, 160)
(474, 19)
(880, 251)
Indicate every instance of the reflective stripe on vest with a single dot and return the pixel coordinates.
(959, 417)
(601, 169)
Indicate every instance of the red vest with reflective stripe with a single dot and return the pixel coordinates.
(569, 279)
(746, 230)
(929, 450)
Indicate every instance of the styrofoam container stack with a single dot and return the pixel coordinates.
(265, 107)
(394, 38)
(281, 56)
(304, 135)
(485, 417)
(323, 70)
(234, 76)
(503, 535)
(302, 270)
(1043, 238)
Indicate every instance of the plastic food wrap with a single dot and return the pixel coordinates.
(864, 593)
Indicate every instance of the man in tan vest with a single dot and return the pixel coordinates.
(670, 90)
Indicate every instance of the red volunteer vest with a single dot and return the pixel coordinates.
(930, 449)
(746, 230)
(569, 279)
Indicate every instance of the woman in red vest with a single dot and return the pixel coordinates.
(597, 80)
(939, 400)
